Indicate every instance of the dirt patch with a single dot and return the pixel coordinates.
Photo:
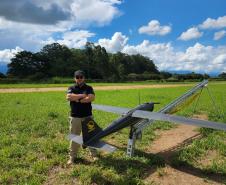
(171, 176)
(166, 145)
(208, 159)
(60, 175)
(173, 139)
(140, 86)
(122, 87)
(201, 116)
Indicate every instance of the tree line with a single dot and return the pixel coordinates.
(56, 60)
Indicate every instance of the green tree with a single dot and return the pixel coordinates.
(165, 75)
(2, 75)
(222, 75)
(140, 64)
(113, 67)
(101, 62)
(79, 60)
(206, 76)
(22, 65)
(89, 68)
(58, 59)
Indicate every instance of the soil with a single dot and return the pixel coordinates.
(166, 145)
(44, 89)
(58, 175)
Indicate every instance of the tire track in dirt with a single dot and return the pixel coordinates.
(118, 87)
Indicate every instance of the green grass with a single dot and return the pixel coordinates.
(33, 129)
(5, 86)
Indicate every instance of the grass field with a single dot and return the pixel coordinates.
(33, 144)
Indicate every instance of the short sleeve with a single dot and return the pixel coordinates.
(69, 91)
(90, 91)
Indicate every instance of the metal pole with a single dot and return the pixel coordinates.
(174, 103)
(131, 142)
(197, 101)
(214, 103)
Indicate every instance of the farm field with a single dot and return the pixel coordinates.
(34, 148)
(37, 85)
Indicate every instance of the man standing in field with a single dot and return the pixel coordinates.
(80, 96)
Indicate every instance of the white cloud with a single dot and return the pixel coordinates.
(95, 11)
(27, 36)
(220, 34)
(209, 23)
(7, 54)
(31, 36)
(192, 33)
(220, 60)
(162, 54)
(115, 44)
(72, 39)
(154, 28)
(197, 58)
(80, 12)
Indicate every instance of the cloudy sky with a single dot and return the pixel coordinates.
(178, 35)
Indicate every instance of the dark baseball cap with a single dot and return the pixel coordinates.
(79, 73)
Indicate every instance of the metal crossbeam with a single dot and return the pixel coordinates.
(136, 130)
(174, 103)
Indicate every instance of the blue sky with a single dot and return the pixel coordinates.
(181, 15)
(175, 34)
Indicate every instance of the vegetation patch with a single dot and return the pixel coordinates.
(33, 140)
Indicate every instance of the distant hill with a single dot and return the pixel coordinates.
(179, 72)
(212, 74)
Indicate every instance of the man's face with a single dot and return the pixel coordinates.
(79, 79)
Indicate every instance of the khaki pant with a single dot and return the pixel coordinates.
(75, 128)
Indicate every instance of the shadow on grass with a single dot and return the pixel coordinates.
(117, 168)
(171, 158)
(120, 169)
(140, 164)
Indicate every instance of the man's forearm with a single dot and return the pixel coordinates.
(74, 97)
(88, 99)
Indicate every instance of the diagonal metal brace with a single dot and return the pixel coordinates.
(137, 129)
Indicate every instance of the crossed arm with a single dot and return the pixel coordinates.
(83, 98)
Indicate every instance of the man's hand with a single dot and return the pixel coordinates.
(75, 97)
(84, 100)
(89, 98)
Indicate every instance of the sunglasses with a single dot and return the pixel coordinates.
(79, 77)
